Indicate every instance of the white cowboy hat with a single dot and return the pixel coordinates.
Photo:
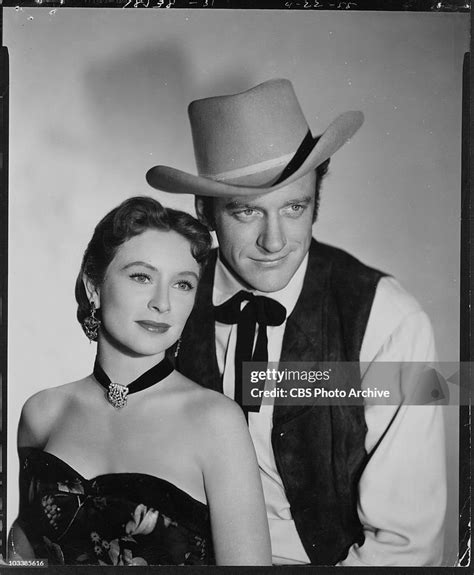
(253, 142)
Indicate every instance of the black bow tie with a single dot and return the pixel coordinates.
(260, 309)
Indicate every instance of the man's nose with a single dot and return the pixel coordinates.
(272, 238)
(160, 300)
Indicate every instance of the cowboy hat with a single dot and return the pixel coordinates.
(252, 142)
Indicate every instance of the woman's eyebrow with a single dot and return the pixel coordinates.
(188, 273)
(140, 263)
(154, 269)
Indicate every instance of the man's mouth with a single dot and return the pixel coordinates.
(270, 262)
(153, 326)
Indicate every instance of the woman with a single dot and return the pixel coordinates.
(158, 470)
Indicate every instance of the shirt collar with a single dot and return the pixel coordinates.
(226, 285)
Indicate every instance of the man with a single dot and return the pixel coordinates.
(344, 484)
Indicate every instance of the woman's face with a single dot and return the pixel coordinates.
(148, 293)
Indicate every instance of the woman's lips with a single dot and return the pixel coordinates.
(154, 326)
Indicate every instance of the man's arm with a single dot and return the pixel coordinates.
(402, 491)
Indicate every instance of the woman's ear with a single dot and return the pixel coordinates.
(203, 207)
(93, 293)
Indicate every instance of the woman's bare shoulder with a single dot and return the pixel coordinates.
(212, 409)
(41, 410)
(52, 397)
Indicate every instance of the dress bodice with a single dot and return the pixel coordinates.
(111, 519)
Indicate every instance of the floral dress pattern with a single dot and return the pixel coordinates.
(113, 519)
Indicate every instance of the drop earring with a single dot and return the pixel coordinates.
(91, 324)
(178, 345)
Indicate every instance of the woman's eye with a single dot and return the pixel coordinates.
(184, 285)
(141, 278)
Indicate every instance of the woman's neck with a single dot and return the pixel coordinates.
(122, 368)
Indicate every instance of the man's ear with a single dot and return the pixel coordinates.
(93, 293)
(203, 207)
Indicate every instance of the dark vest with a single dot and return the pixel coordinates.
(319, 449)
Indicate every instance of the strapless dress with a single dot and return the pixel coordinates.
(112, 519)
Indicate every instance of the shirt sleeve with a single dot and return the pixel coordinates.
(402, 491)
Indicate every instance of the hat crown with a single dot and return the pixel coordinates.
(254, 131)
(253, 142)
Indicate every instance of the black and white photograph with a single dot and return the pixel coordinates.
(196, 193)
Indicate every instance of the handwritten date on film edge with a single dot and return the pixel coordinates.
(166, 4)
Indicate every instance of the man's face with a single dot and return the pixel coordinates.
(264, 239)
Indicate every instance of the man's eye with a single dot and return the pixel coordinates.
(184, 285)
(141, 278)
(245, 213)
(295, 210)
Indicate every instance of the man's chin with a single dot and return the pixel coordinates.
(268, 282)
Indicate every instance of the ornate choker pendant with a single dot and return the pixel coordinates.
(116, 394)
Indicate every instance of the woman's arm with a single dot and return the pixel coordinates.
(234, 490)
(19, 547)
(33, 431)
(38, 415)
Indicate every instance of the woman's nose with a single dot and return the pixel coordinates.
(160, 300)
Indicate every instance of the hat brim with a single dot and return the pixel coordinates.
(334, 137)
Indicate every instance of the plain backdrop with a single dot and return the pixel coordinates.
(100, 95)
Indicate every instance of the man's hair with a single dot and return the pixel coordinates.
(321, 171)
(131, 218)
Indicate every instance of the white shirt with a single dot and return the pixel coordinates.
(402, 490)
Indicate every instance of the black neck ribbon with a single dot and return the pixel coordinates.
(260, 310)
(154, 375)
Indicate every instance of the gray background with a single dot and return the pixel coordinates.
(98, 96)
